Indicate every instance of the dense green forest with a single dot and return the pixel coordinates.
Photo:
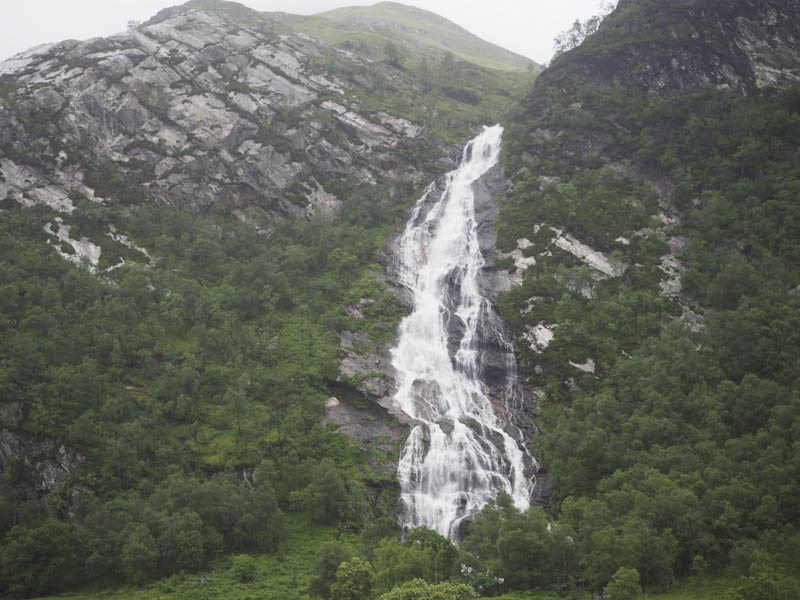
(190, 386)
(683, 457)
(173, 381)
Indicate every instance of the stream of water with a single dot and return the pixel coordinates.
(458, 455)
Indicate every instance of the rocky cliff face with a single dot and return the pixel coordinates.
(667, 47)
(571, 124)
(41, 467)
(194, 108)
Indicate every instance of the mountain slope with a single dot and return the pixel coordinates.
(419, 32)
(191, 215)
(222, 103)
(172, 398)
(683, 46)
(650, 239)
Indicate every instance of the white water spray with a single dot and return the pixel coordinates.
(458, 455)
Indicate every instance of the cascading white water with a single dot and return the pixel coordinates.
(457, 456)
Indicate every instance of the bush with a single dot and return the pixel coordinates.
(418, 589)
(624, 585)
(244, 567)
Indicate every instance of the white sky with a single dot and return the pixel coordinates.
(524, 26)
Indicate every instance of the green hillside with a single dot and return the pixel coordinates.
(166, 409)
(674, 451)
(417, 32)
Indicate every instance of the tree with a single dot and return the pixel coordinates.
(353, 581)
(580, 30)
(424, 74)
(180, 543)
(244, 567)
(447, 69)
(525, 550)
(624, 585)
(768, 585)
(265, 522)
(330, 556)
(373, 532)
(44, 559)
(444, 561)
(396, 563)
(327, 497)
(139, 555)
(235, 400)
(394, 56)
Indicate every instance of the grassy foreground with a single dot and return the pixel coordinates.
(692, 588)
(284, 575)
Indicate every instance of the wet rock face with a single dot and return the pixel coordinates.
(691, 44)
(363, 407)
(44, 468)
(489, 193)
(201, 108)
(368, 362)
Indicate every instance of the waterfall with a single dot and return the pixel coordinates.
(458, 455)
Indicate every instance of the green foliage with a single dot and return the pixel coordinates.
(657, 409)
(396, 563)
(419, 589)
(283, 575)
(423, 554)
(393, 55)
(353, 581)
(656, 461)
(330, 556)
(328, 499)
(107, 182)
(373, 532)
(444, 557)
(214, 359)
(597, 205)
(523, 549)
(764, 586)
(462, 95)
(41, 559)
(244, 567)
(624, 585)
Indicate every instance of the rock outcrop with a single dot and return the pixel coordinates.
(42, 466)
(193, 108)
(668, 47)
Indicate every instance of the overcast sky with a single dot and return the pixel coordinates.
(524, 26)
